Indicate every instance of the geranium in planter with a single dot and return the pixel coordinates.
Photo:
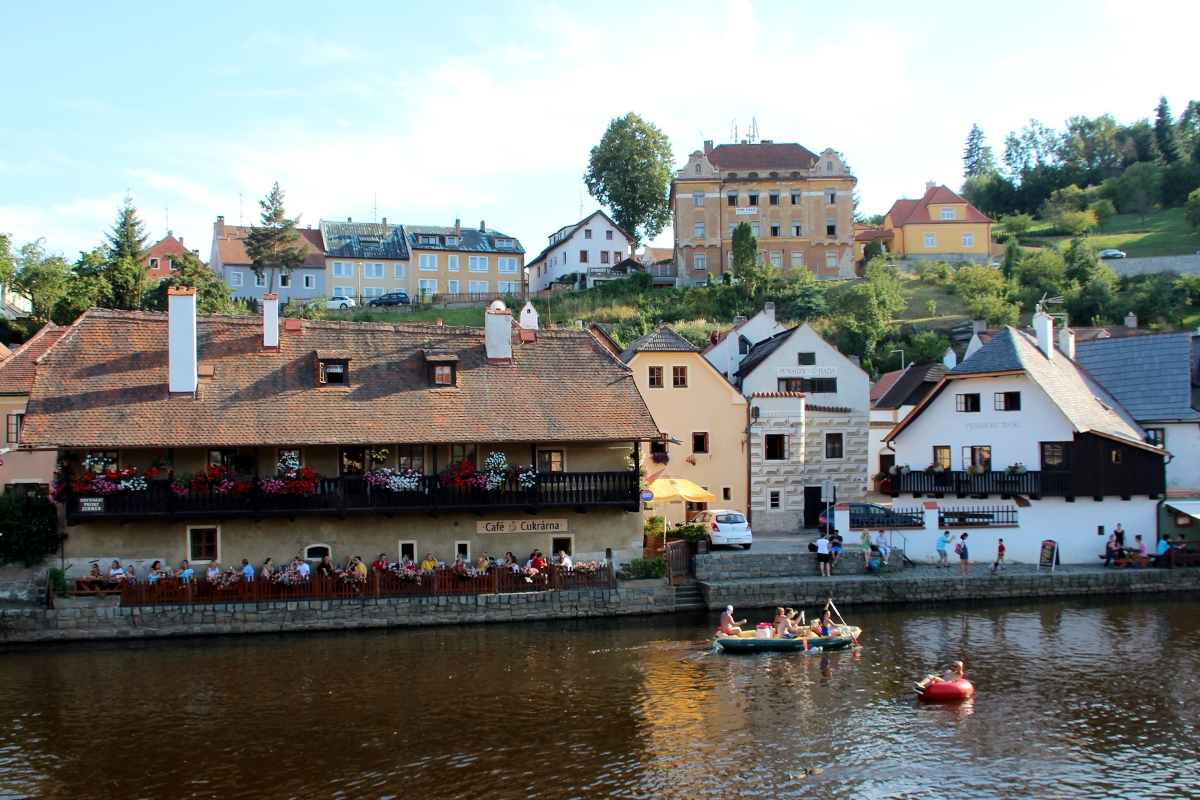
(660, 458)
(397, 480)
(1016, 469)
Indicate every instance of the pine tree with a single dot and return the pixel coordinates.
(978, 160)
(276, 245)
(128, 237)
(1164, 132)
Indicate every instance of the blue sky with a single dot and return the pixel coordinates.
(487, 110)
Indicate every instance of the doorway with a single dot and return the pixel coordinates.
(812, 506)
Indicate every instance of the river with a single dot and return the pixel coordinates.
(1074, 699)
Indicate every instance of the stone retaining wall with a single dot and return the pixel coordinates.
(96, 618)
(758, 566)
(914, 588)
(1129, 267)
(22, 584)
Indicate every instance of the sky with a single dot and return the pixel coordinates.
(425, 113)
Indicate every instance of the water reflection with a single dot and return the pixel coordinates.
(1069, 695)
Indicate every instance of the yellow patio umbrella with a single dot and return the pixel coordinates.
(666, 485)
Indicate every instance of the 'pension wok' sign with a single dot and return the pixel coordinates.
(521, 526)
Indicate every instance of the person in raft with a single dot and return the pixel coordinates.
(955, 673)
(728, 626)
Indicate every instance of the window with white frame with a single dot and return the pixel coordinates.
(754, 228)
(154, 263)
(796, 195)
(478, 287)
(343, 291)
(398, 271)
(310, 281)
(947, 213)
(608, 234)
(15, 421)
(343, 269)
(504, 244)
(477, 263)
(732, 225)
(603, 256)
(698, 230)
(427, 262)
(373, 270)
(797, 229)
(428, 240)
(506, 265)
(830, 259)
(451, 241)
(698, 262)
(797, 260)
(968, 240)
(697, 197)
(285, 281)
(372, 291)
(260, 280)
(508, 287)
(427, 286)
(452, 263)
(452, 287)
(830, 196)
(931, 240)
(777, 260)
(235, 279)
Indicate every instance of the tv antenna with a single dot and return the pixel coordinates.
(733, 131)
(1047, 301)
(167, 210)
(239, 209)
(752, 133)
(376, 212)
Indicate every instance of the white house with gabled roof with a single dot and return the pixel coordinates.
(589, 248)
(726, 349)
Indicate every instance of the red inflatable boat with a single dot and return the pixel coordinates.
(942, 691)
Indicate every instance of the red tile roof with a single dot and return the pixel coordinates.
(880, 387)
(763, 156)
(163, 249)
(17, 372)
(906, 211)
(232, 246)
(874, 233)
(105, 385)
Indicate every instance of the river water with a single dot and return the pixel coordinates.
(1074, 699)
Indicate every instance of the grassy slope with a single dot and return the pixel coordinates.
(1165, 233)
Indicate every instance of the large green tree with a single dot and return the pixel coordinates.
(275, 245)
(630, 172)
(212, 295)
(978, 160)
(87, 287)
(747, 262)
(1164, 132)
(8, 264)
(41, 276)
(125, 270)
(128, 236)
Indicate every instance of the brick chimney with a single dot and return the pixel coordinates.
(708, 148)
(219, 227)
(458, 227)
(270, 307)
(181, 338)
(497, 333)
(482, 226)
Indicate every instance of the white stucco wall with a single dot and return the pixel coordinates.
(563, 257)
(1183, 443)
(725, 356)
(853, 385)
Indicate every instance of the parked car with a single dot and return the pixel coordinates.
(393, 299)
(726, 526)
(1110, 253)
(870, 515)
(338, 301)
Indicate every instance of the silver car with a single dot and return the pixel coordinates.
(726, 526)
(1110, 253)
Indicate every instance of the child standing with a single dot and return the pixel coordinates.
(1000, 554)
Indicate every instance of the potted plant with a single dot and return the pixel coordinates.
(878, 480)
(654, 541)
(975, 469)
(1016, 469)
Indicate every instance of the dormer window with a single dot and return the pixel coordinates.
(442, 368)
(505, 244)
(947, 213)
(451, 241)
(443, 375)
(428, 240)
(333, 368)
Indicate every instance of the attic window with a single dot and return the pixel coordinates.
(368, 241)
(505, 244)
(442, 367)
(428, 240)
(334, 373)
(443, 375)
(451, 241)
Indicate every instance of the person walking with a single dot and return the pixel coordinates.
(964, 555)
(1000, 554)
(943, 541)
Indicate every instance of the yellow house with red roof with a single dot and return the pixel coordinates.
(942, 225)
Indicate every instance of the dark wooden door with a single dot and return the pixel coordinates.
(812, 506)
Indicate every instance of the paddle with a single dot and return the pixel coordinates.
(853, 638)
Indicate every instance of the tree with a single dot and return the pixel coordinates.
(1076, 223)
(978, 160)
(1143, 185)
(212, 295)
(128, 236)
(1011, 257)
(86, 287)
(987, 294)
(1164, 132)
(926, 346)
(1156, 299)
(275, 246)
(745, 259)
(1016, 224)
(8, 264)
(1040, 273)
(809, 303)
(28, 528)
(1082, 264)
(41, 276)
(1191, 212)
(630, 172)
(1103, 211)
(1036, 145)
(872, 250)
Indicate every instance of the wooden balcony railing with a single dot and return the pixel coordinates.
(1037, 483)
(354, 495)
(173, 592)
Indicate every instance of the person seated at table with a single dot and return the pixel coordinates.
(539, 561)
(268, 569)
(247, 570)
(1112, 550)
(564, 560)
(459, 562)
(115, 572)
(156, 571)
(360, 567)
(510, 561)
(213, 573)
(954, 673)
(1142, 547)
(325, 568)
(1181, 544)
(95, 574)
(302, 569)
(131, 574)
(186, 573)
(1164, 546)
(380, 564)
(430, 563)
(406, 562)
(483, 562)
(727, 626)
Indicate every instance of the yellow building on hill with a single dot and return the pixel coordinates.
(693, 404)
(941, 226)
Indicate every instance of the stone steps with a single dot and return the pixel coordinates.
(687, 595)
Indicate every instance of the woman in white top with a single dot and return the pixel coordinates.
(882, 543)
(115, 572)
(564, 560)
(213, 573)
(824, 559)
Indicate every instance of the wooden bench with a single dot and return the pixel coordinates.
(1132, 557)
(1186, 556)
(91, 586)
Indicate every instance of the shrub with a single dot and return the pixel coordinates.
(654, 526)
(58, 579)
(28, 528)
(641, 568)
(692, 534)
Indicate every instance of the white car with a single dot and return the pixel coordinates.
(340, 302)
(1111, 253)
(726, 526)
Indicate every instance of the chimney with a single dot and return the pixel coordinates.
(529, 317)
(950, 359)
(1043, 325)
(349, 219)
(170, 233)
(855, 360)
(384, 220)
(929, 186)
(270, 307)
(181, 241)
(1131, 320)
(220, 227)
(181, 338)
(769, 310)
(978, 326)
(707, 146)
(482, 226)
(1066, 342)
(497, 333)
(458, 227)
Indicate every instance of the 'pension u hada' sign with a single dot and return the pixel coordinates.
(521, 526)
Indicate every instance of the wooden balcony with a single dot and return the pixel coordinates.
(353, 495)
(960, 483)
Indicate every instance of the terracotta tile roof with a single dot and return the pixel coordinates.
(106, 386)
(880, 387)
(762, 156)
(17, 373)
(906, 211)
(874, 233)
(163, 249)
(4, 352)
(232, 246)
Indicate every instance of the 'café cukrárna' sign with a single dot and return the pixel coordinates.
(521, 526)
